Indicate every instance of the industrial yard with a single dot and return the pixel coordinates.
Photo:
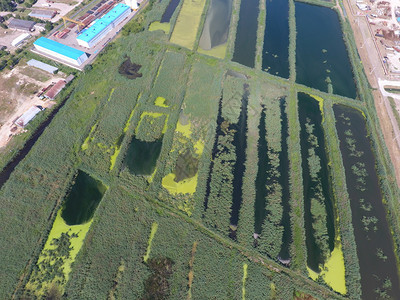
(90, 32)
(20, 90)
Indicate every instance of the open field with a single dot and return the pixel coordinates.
(213, 179)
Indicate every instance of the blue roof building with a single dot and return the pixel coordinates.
(60, 51)
(92, 35)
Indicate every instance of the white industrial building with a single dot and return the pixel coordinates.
(60, 51)
(20, 39)
(132, 4)
(92, 35)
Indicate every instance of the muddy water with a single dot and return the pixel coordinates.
(216, 26)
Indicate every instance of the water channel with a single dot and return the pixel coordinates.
(9, 168)
(169, 11)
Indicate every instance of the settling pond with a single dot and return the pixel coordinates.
(372, 234)
(321, 54)
(141, 157)
(246, 33)
(83, 199)
(315, 187)
(275, 57)
(262, 180)
(216, 26)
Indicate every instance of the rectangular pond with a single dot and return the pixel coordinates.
(318, 196)
(379, 273)
(271, 205)
(141, 157)
(275, 56)
(322, 60)
(216, 27)
(246, 33)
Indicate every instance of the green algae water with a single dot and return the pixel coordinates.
(375, 250)
(321, 55)
(83, 199)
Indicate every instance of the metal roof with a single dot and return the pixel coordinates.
(19, 39)
(53, 92)
(42, 66)
(100, 24)
(21, 24)
(27, 116)
(58, 47)
(42, 13)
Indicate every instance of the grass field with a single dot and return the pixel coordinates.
(156, 236)
(187, 24)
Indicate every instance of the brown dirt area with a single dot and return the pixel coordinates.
(18, 89)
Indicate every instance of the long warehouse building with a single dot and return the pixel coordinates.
(60, 51)
(92, 35)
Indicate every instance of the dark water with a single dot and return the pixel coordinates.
(373, 270)
(169, 11)
(83, 199)
(141, 157)
(240, 143)
(275, 58)
(309, 108)
(216, 26)
(320, 47)
(214, 153)
(9, 168)
(246, 33)
(284, 180)
(262, 174)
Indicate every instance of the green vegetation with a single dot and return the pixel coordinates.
(185, 30)
(167, 234)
